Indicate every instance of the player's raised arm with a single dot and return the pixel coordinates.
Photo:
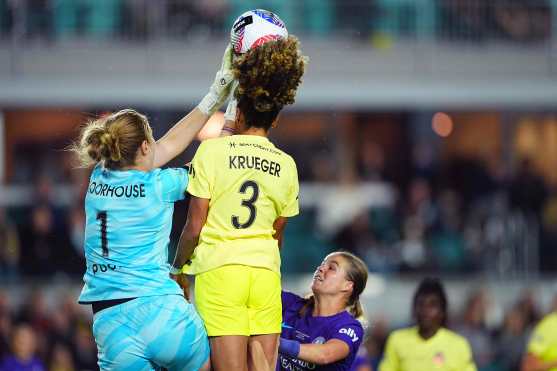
(197, 216)
(184, 131)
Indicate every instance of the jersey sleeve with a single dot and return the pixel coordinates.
(173, 183)
(292, 208)
(351, 333)
(539, 342)
(290, 301)
(390, 360)
(201, 173)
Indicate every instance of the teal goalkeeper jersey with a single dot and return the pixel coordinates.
(127, 229)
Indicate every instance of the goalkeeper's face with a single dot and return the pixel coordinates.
(429, 312)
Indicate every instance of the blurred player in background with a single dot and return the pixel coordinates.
(141, 319)
(429, 345)
(542, 349)
(323, 332)
(243, 188)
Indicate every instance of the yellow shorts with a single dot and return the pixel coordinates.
(239, 300)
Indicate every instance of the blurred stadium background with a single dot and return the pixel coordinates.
(425, 135)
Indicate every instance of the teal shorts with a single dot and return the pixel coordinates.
(150, 333)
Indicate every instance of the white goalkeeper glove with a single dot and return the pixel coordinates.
(219, 90)
(230, 114)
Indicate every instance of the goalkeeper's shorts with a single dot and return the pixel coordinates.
(151, 332)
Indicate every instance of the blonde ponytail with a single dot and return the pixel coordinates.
(113, 139)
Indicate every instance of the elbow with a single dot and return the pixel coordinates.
(325, 357)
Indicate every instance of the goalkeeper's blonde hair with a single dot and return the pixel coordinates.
(113, 139)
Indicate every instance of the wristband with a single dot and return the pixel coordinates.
(229, 129)
(175, 271)
(290, 348)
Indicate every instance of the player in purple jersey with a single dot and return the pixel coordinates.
(323, 332)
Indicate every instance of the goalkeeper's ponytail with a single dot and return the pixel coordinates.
(113, 139)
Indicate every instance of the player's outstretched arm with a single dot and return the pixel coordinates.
(321, 354)
(197, 215)
(184, 131)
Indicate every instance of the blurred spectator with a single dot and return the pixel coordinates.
(362, 361)
(548, 241)
(466, 20)
(9, 248)
(527, 190)
(34, 312)
(354, 17)
(5, 324)
(511, 341)
(212, 15)
(371, 165)
(523, 20)
(376, 340)
(474, 329)
(93, 18)
(22, 357)
(446, 240)
(85, 349)
(38, 19)
(528, 306)
(76, 221)
(61, 359)
(44, 233)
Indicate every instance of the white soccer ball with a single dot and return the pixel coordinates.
(254, 28)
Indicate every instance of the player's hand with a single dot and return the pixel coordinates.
(184, 283)
(219, 91)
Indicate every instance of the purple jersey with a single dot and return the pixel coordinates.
(308, 329)
(11, 363)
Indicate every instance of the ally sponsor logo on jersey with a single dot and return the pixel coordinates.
(350, 332)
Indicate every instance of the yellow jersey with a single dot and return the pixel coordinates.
(250, 183)
(406, 350)
(543, 342)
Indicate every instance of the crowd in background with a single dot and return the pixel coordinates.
(495, 347)
(56, 338)
(457, 217)
(56, 333)
(516, 20)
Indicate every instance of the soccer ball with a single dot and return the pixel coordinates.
(254, 28)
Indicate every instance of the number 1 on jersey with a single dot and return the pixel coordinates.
(101, 215)
(249, 203)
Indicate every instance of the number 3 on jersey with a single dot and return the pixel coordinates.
(249, 203)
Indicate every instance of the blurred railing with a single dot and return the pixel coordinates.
(382, 21)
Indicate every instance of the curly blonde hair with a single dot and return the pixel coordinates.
(268, 78)
(113, 139)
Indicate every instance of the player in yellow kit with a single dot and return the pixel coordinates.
(542, 349)
(243, 188)
(429, 345)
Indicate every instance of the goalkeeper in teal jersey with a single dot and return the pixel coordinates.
(141, 320)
